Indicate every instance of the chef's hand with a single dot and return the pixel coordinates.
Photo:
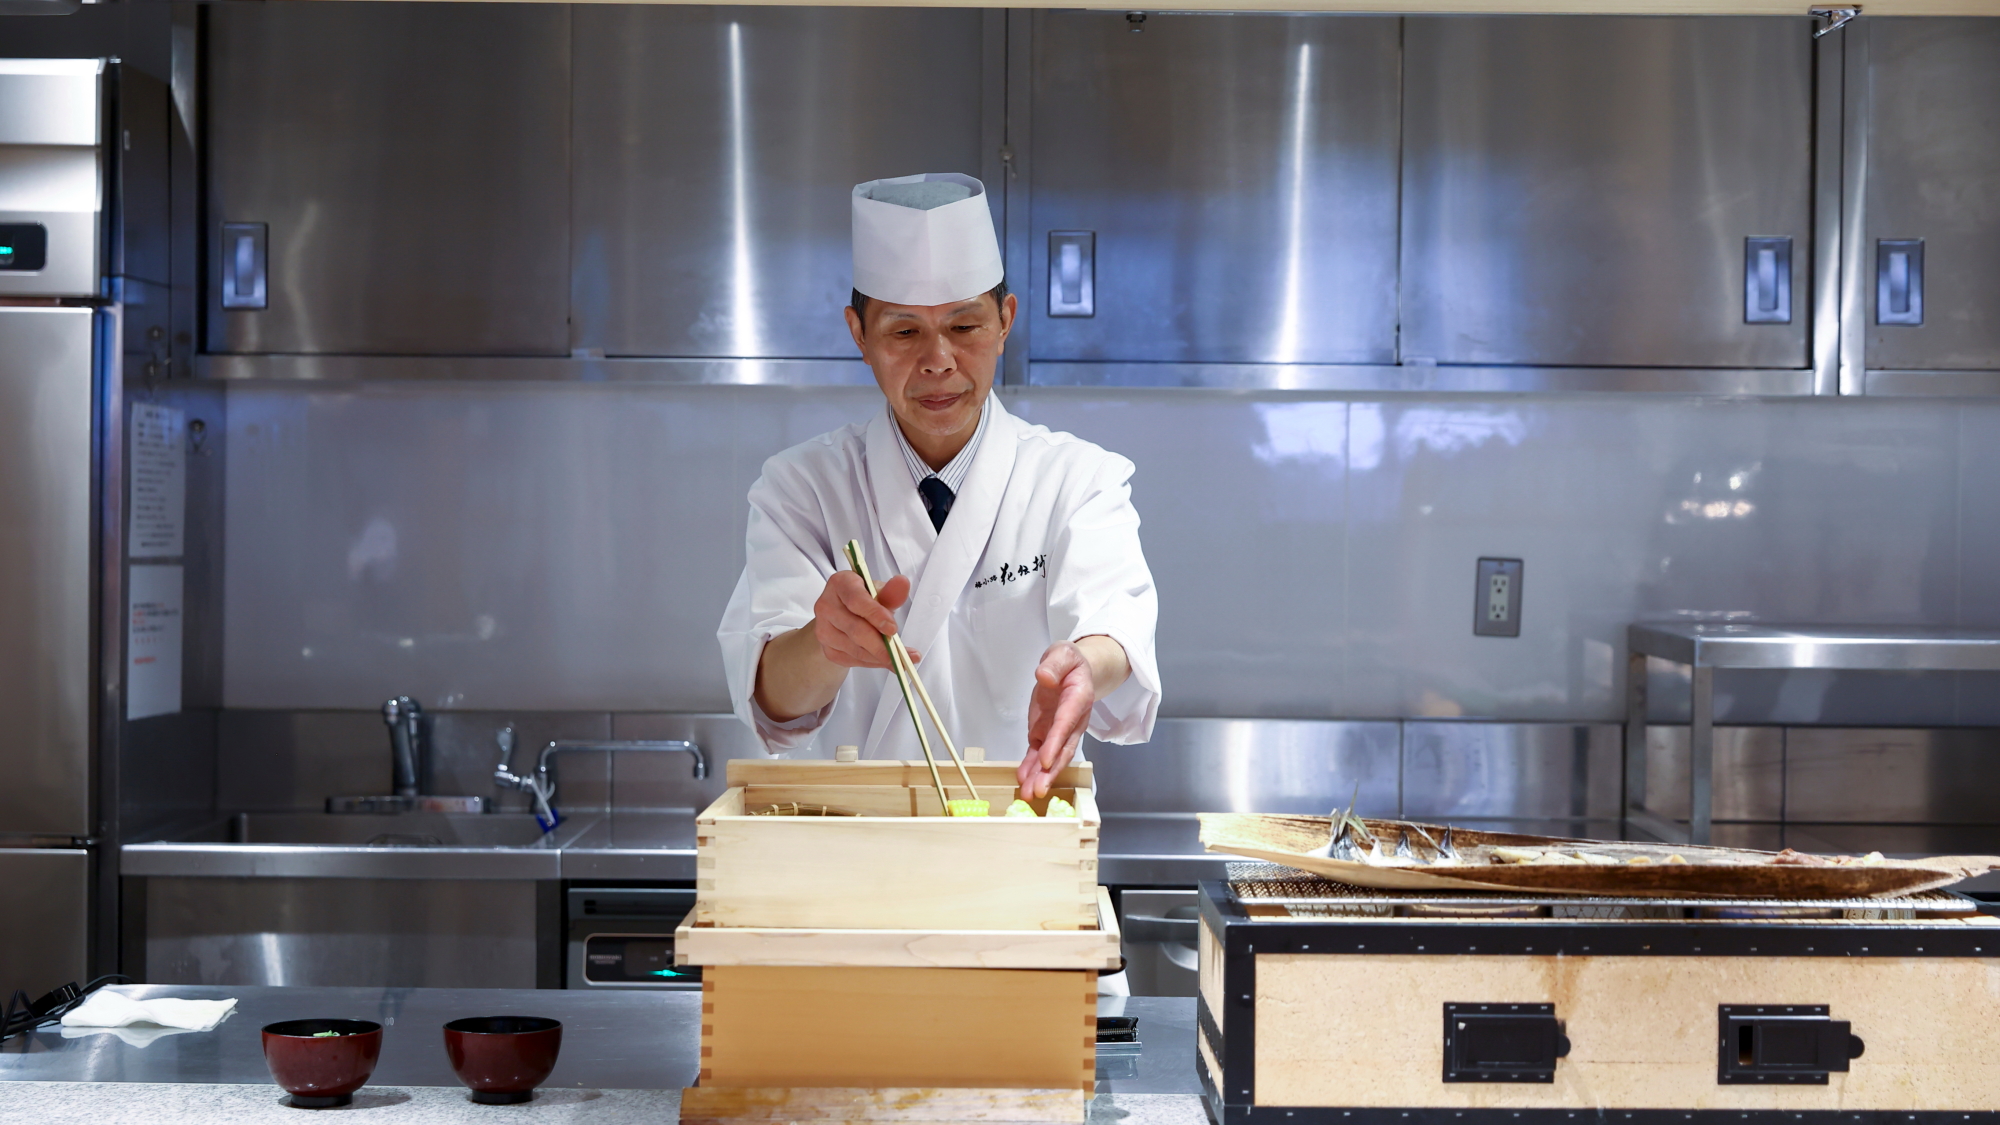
(1072, 676)
(801, 671)
(849, 625)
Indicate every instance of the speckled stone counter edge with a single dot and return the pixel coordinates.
(187, 1103)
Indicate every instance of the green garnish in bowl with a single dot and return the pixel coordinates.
(324, 1034)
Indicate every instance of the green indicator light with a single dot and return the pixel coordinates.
(7, 250)
(665, 973)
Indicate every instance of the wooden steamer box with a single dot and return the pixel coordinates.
(1646, 1015)
(901, 864)
(896, 964)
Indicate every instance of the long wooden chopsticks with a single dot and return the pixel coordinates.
(906, 676)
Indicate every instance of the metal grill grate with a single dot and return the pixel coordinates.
(1308, 895)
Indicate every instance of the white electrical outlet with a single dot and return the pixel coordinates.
(1497, 606)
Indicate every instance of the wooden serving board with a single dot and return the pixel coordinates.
(1707, 871)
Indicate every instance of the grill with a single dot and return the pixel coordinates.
(1304, 895)
(1323, 1003)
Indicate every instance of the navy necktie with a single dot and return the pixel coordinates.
(937, 499)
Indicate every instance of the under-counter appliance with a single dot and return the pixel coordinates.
(623, 937)
(1159, 940)
(57, 344)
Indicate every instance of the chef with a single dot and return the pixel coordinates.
(1019, 585)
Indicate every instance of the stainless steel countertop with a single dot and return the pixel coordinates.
(626, 844)
(1135, 849)
(1854, 648)
(634, 1040)
(324, 861)
(613, 1039)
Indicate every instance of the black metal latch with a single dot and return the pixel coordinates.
(1502, 1042)
(1782, 1044)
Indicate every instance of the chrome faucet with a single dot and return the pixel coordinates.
(409, 752)
(406, 743)
(542, 785)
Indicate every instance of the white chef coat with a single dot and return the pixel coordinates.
(1042, 544)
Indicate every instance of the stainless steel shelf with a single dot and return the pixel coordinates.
(533, 369)
(1864, 648)
(1704, 647)
(1428, 378)
(1352, 378)
(1931, 384)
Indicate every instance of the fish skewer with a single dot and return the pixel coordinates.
(1352, 841)
(906, 675)
(1343, 847)
(1347, 830)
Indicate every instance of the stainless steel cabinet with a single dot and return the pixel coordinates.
(45, 571)
(714, 152)
(51, 190)
(1933, 177)
(398, 933)
(1578, 190)
(1238, 175)
(45, 930)
(410, 163)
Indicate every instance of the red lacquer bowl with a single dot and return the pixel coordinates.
(502, 1058)
(320, 1071)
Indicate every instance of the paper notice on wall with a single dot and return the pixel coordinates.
(153, 642)
(158, 513)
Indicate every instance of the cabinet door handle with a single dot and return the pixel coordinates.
(1072, 273)
(243, 260)
(1157, 928)
(1767, 281)
(1899, 281)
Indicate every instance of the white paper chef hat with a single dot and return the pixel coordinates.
(924, 240)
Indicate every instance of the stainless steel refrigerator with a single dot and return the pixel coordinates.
(57, 346)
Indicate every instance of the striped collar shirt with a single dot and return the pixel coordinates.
(954, 473)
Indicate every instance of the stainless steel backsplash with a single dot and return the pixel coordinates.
(1437, 771)
(571, 547)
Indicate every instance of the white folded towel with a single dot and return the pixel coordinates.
(106, 1008)
(142, 1036)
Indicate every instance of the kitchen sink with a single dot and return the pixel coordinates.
(392, 830)
(652, 844)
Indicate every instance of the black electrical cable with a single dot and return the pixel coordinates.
(50, 1007)
(7, 1017)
